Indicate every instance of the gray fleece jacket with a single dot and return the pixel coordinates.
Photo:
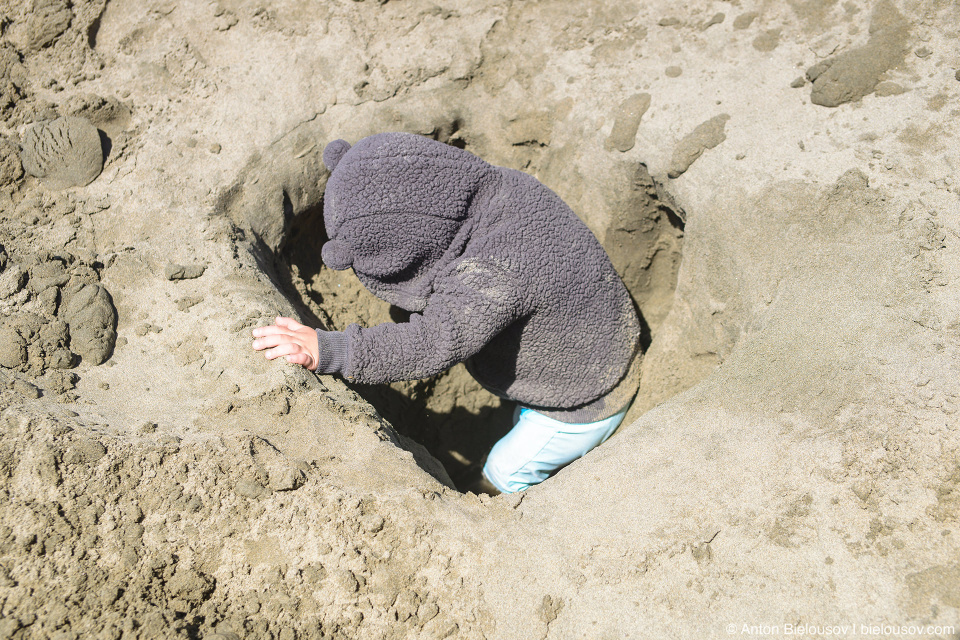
(497, 271)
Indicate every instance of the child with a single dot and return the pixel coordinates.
(498, 273)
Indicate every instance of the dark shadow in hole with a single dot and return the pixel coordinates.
(459, 439)
(646, 337)
(277, 269)
(287, 210)
(672, 217)
(300, 249)
(399, 315)
(106, 144)
(93, 30)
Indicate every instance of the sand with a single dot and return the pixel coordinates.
(65, 152)
(783, 205)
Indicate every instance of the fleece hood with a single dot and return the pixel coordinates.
(397, 209)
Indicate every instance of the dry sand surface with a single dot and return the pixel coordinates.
(777, 182)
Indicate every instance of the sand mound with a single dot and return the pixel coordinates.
(63, 153)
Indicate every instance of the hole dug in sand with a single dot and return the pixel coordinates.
(451, 414)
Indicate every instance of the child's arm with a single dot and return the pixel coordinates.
(466, 310)
(290, 339)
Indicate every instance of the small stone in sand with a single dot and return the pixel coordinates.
(887, 88)
(744, 20)
(627, 121)
(855, 73)
(717, 18)
(183, 272)
(13, 348)
(26, 389)
(706, 135)
(92, 318)
(11, 169)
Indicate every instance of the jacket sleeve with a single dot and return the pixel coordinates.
(467, 309)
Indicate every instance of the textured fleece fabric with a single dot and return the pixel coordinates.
(497, 271)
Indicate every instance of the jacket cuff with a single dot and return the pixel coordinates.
(333, 352)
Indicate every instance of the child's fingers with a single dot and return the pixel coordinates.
(272, 340)
(262, 331)
(302, 359)
(289, 323)
(272, 330)
(285, 349)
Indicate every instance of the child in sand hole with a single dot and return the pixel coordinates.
(497, 273)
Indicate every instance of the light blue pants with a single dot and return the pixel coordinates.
(537, 446)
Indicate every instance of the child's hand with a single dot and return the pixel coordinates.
(290, 339)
